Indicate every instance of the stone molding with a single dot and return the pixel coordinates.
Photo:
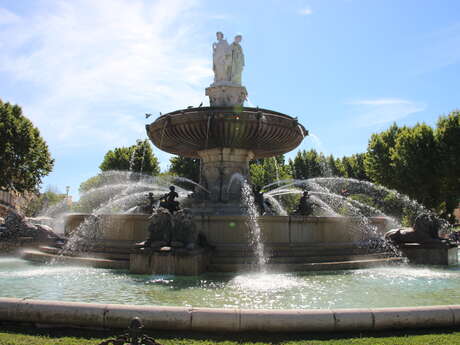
(76, 314)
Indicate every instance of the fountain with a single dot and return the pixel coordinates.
(328, 232)
(225, 136)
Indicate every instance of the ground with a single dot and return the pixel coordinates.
(13, 335)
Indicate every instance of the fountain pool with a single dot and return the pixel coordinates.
(391, 286)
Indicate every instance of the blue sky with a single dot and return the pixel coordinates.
(85, 71)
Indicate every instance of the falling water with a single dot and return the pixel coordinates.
(118, 192)
(253, 224)
(277, 173)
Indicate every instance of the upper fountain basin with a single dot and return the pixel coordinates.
(265, 132)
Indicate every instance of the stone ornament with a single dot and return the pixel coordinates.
(166, 229)
(425, 230)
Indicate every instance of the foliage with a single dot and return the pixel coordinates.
(267, 170)
(353, 167)
(306, 164)
(92, 182)
(447, 136)
(42, 201)
(420, 162)
(378, 159)
(24, 155)
(415, 164)
(185, 167)
(136, 158)
(64, 336)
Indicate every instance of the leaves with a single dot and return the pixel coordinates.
(24, 155)
(136, 158)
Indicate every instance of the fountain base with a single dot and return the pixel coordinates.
(430, 254)
(169, 261)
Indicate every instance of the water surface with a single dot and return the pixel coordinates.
(392, 286)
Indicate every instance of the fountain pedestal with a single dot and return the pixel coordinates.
(169, 261)
(226, 95)
(222, 170)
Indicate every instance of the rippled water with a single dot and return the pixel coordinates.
(380, 287)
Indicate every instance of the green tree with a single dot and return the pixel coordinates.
(92, 182)
(353, 167)
(185, 167)
(308, 164)
(136, 158)
(44, 200)
(24, 155)
(415, 163)
(333, 166)
(447, 135)
(268, 170)
(378, 160)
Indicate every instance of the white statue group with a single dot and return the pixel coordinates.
(228, 60)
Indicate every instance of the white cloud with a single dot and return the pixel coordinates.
(381, 101)
(305, 11)
(7, 17)
(95, 67)
(370, 112)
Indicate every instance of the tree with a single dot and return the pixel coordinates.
(41, 202)
(268, 170)
(92, 182)
(333, 166)
(353, 167)
(415, 163)
(185, 167)
(136, 158)
(378, 159)
(24, 155)
(309, 164)
(447, 136)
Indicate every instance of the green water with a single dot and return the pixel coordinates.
(392, 286)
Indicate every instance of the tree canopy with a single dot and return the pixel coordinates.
(419, 161)
(267, 170)
(185, 167)
(136, 158)
(24, 155)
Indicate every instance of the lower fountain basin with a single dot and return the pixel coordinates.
(291, 243)
(394, 286)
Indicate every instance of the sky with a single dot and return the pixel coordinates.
(85, 72)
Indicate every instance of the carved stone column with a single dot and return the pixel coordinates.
(222, 170)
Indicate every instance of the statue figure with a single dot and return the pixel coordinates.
(220, 58)
(151, 202)
(146, 207)
(424, 230)
(167, 201)
(16, 225)
(259, 199)
(305, 207)
(237, 61)
(160, 229)
(166, 229)
(184, 232)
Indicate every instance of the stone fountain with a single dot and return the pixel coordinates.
(225, 136)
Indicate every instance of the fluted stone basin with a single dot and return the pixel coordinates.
(265, 133)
